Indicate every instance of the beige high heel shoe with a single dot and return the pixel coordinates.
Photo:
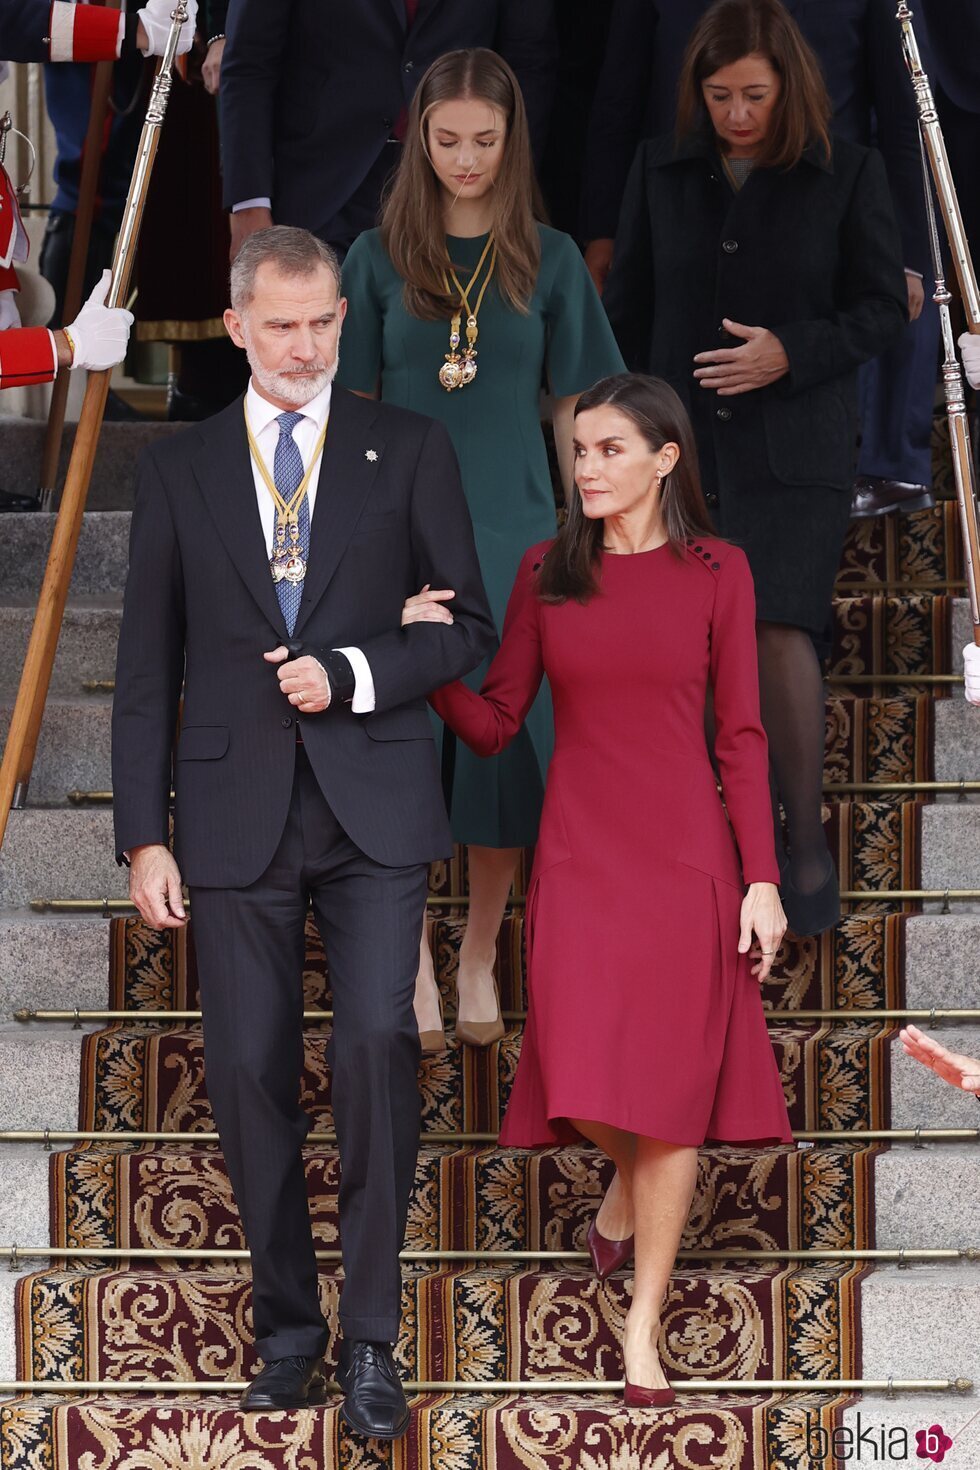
(434, 1042)
(482, 1033)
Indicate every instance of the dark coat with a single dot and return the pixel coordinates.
(858, 43)
(201, 609)
(23, 28)
(813, 254)
(311, 91)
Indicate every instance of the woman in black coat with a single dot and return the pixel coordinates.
(757, 265)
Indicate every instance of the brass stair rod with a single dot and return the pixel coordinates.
(18, 1254)
(109, 906)
(79, 1017)
(160, 1386)
(858, 679)
(51, 1136)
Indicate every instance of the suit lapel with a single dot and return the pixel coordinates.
(223, 469)
(344, 483)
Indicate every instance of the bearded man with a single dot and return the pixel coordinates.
(272, 548)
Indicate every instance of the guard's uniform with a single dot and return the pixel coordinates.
(37, 30)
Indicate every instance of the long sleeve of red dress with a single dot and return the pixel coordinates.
(741, 748)
(488, 721)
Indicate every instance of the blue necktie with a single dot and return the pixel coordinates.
(287, 471)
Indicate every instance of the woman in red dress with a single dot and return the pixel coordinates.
(645, 1030)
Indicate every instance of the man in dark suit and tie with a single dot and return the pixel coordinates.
(272, 548)
(313, 98)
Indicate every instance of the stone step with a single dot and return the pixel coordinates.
(927, 1197)
(40, 1070)
(951, 849)
(113, 475)
(466, 1198)
(920, 1322)
(52, 961)
(59, 853)
(941, 957)
(495, 1323)
(921, 1099)
(957, 740)
(100, 562)
(86, 648)
(73, 750)
(878, 1430)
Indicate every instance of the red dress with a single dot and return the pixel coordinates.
(641, 1012)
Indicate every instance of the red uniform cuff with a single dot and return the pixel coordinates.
(27, 355)
(85, 32)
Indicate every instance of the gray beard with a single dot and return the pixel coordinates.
(291, 387)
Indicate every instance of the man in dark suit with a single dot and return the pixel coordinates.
(313, 98)
(305, 772)
(858, 43)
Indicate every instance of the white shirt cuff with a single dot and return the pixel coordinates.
(364, 697)
(910, 272)
(54, 351)
(252, 204)
(122, 33)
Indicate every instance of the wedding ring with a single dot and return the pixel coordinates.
(301, 695)
(768, 951)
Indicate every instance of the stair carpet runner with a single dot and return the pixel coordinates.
(502, 1322)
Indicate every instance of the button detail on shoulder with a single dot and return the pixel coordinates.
(716, 566)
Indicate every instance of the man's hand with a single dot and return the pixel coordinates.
(917, 295)
(302, 680)
(154, 886)
(957, 1070)
(762, 914)
(427, 607)
(599, 258)
(245, 222)
(155, 21)
(211, 70)
(761, 360)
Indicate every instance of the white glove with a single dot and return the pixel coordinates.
(970, 348)
(971, 669)
(100, 333)
(157, 18)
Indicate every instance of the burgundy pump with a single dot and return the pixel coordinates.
(635, 1397)
(607, 1255)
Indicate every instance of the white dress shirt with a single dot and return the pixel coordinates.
(262, 417)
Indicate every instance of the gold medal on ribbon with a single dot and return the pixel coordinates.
(459, 369)
(286, 563)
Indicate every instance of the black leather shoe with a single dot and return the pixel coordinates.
(811, 913)
(286, 1383)
(873, 496)
(10, 501)
(374, 1400)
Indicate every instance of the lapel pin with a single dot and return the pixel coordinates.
(371, 454)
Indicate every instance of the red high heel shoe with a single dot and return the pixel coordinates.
(635, 1397)
(607, 1255)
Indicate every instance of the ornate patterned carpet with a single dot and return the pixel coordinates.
(497, 1322)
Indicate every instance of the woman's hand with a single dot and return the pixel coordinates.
(426, 607)
(760, 360)
(762, 914)
(951, 1066)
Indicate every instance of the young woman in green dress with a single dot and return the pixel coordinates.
(462, 305)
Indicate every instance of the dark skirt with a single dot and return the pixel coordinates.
(793, 537)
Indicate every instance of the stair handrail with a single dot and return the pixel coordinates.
(35, 679)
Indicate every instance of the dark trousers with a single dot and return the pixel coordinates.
(250, 950)
(897, 392)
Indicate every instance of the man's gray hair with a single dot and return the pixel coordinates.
(294, 252)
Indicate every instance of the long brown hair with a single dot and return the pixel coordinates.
(732, 29)
(569, 569)
(412, 229)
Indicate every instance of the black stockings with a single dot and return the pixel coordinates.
(791, 690)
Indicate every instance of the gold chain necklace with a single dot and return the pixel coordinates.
(286, 561)
(458, 370)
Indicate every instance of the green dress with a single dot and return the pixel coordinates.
(496, 429)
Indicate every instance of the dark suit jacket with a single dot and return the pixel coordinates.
(23, 26)
(858, 43)
(311, 89)
(201, 607)
(811, 252)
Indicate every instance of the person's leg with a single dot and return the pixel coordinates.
(250, 950)
(614, 1219)
(370, 918)
(491, 876)
(792, 698)
(428, 1012)
(664, 1178)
